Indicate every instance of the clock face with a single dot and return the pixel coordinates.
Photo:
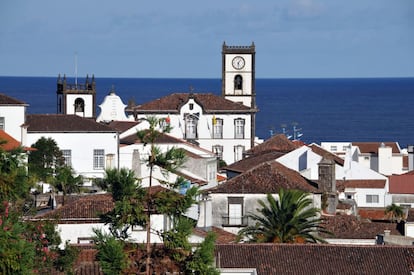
(238, 62)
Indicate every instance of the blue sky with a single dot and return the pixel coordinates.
(131, 38)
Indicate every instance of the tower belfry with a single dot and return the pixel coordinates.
(76, 99)
(238, 79)
(238, 74)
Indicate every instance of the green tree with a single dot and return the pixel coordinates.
(45, 160)
(111, 255)
(66, 182)
(25, 247)
(134, 205)
(395, 212)
(291, 219)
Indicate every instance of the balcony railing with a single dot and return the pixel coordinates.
(234, 221)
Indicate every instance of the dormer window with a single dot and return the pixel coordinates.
(191, 105)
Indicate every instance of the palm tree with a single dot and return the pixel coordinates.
(395, 212)
(291, 219)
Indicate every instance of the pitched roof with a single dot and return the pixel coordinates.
(316, 258)
(222, 236)
(279, 143)
(326, 154)
(375, 214)
(10, 143)
(352, 227)
(268, 177)
(85, 208)
(372, 147)
(211, 104)
(162, 138)
(7, 100)
(252, 161)
(401, 184)
(63, 123)
(366, 183)
(122, 126)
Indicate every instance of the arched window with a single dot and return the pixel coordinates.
(79, 105)
(238, 82)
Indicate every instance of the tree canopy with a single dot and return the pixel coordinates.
(290, 219)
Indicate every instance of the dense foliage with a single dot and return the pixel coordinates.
(26, 247)
(45, 160)
(290, 219)
(134, 206)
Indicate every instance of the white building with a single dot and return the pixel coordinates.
(222, 124)
(12, 116)
(89, 147)
(386, 158)
(354, 181)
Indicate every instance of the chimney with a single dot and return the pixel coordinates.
(410, 157)
(327, 184)
(205, 218)
(385, 160)
(327, 181)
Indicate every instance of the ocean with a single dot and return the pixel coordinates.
(349, 109)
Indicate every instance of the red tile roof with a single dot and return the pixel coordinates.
(352, 227)
(86, 209)
(326, 154)
(222, 236)
(10, 143)
(316, 258)
(372, 147)
(341, 184)
(211, 104)
(376, 214)
(401, 184)
(63, 123)
(252, 161)
(7, 100)
(279, 143)
(122, 126)
(268, 177)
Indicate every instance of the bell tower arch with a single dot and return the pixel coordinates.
(238, 74)
(76, 99)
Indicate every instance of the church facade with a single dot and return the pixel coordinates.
(222, 124)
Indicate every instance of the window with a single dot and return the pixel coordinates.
(67, 157)
(235, 211)
(239, 128)
(98, 159)
(191, 127)
(79, 105)
(218, 150)
(372, 198)
(2, 123)
(238, 82)
(217, 127)
(238, 152)
(211, 172)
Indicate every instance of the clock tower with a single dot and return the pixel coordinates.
(238, 74)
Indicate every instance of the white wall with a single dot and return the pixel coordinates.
(82, 146)
(205, 129)
(14, 117)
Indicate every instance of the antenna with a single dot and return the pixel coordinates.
(76, 70)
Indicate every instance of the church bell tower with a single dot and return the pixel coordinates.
(238, 74)
(76, 99)
(238, 79)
